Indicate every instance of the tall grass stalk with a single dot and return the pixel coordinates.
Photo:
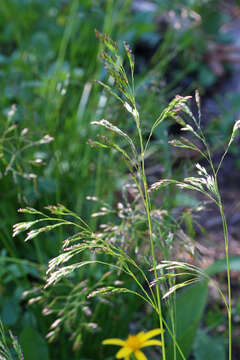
(207, 184)
(223, 217)
(229, 308)
(147, 203)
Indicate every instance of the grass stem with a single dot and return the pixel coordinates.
(149, 220)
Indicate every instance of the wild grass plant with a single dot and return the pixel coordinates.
(55, 92)
(48, 61)
(9, 346)
(139, 246)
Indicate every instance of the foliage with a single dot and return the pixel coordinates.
(48, 66)
(9, 352)
(106, 249)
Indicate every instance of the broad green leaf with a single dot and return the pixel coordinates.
(207, 348)
(190, 305)
(33, 344)
(10, 311)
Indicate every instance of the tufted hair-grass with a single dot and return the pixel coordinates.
(105, 242)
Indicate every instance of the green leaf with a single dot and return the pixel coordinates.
(190, 305)
(220, 265)
(206, 77)
(10, 311)
(207, 348)
(33, 344)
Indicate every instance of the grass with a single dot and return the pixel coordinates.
(49, 67)
(104, 249)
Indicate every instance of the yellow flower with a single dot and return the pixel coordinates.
(134, 343)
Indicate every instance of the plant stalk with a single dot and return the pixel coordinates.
(149, 220)
(226, 240)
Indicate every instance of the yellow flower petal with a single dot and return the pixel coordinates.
(151, 343)
(150, 334)
(113, 342)
(140, 355)
(123, 353)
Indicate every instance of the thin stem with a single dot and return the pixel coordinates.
(129, 272)
(149, 220)
(220, 292)
(226, 238)
(229, 308)
(226, 241)
(174, 340)
(172, 315)
(223, 157)
(146, 279)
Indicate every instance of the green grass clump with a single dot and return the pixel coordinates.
(51, 110)
(111, 249)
